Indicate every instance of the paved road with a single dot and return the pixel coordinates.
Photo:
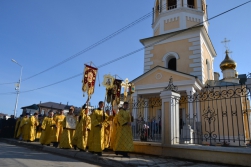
(15, 156)
(12, 155)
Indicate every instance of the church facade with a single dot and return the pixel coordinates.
(179, 57)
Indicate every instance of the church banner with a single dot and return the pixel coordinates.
(117, 90)
(89, 79)
(108, 84)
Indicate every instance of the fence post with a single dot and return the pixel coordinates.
(170, 117)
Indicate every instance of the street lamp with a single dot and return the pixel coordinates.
(17, 86)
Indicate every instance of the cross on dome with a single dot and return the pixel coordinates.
(225, 43)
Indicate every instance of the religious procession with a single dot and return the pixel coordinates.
(92, 130)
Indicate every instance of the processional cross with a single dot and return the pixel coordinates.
(125, 84)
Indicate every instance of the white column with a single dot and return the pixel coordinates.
(199, 5)
(191, 111)
(185, 3)
(164, 4)
(170, 118)
(179, 2)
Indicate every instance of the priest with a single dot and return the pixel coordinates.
(124, 139)
(96, 144)
(83, 127)
(48, 127)
(59, 118)
(27, 128)
(69, 126)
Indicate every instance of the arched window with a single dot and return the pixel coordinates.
(190, 3)
(171, 4)
(170, 60)
(172, 64)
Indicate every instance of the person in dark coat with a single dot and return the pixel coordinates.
(11, 122)
(3, 127)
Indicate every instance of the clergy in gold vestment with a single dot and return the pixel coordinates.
(77, 130)
(42, 131)
(96, 143)
(59, 118)
(36, 123)
(83, 126)
(38, 129)
(90, 134)
(124, 141)
(69, 126)
(27, 128)
(17, 132)
(48, 127)
(107, 129)
(114, 130)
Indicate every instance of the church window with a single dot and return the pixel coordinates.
(157, 9)
(203, 6)
(190, 3)
(172, 64)
(171, 4)
(170, 60)
(208, 69)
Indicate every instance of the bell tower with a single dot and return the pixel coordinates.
(180, 40)
(174, 15)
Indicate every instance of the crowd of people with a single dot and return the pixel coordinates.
(93, 133)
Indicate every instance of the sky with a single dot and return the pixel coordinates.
(41, 34)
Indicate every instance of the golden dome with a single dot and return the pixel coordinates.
(228, 63)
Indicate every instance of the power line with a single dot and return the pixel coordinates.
(133, 52)
(92, 46)
(7, 83)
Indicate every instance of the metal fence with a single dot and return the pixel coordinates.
(147, 119)
(146, 114)
(215, 116)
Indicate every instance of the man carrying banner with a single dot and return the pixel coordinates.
(69, 126)
(83, 126)
(96, 144)
(124, 139)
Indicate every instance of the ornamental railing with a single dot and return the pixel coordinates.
(146, 112)
(146, 126)
(215, 116)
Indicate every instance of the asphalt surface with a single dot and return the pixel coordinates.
(36, 154)
(15, 156)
